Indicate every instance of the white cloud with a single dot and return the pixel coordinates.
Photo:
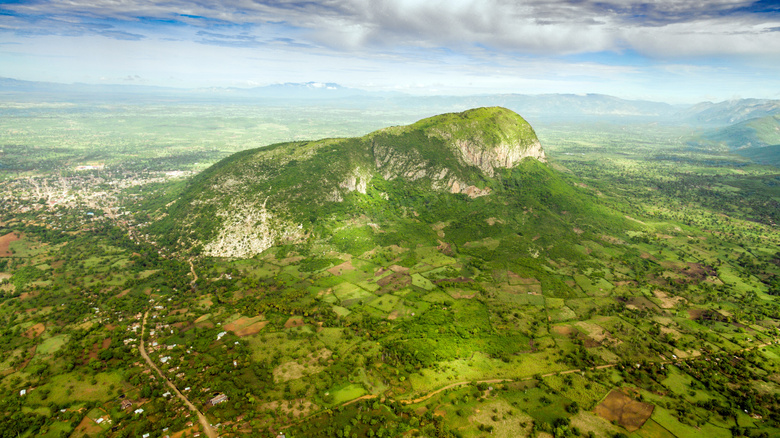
(457, 45)
(531, 26)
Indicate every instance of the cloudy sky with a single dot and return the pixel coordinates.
(672, 50)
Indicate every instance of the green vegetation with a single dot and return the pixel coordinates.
(634, 269)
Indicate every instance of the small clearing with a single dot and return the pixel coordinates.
(5, 243)
(342, 268)
(34, 331)
(598, 333)
(461, 294)
(312, 364)
(625, 411)
(297, 408)
(87, 427)
(667, 302)
(294, 321)
(245, 326)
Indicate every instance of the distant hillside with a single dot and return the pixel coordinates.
(765, 155)
(754, 133)
(731, 111)
(757, 139)
(479, 173)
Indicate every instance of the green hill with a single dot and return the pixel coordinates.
(764, 155)
(474, 175)
(757, 139)
(753, 133)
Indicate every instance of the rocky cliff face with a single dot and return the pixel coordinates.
(485, 138)
(501, 155)
(392, 164)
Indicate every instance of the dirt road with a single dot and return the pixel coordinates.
(202, 418)
(194, 275)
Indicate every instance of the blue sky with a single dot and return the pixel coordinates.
(676, 51)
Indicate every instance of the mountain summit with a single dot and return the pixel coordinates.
(258, 198)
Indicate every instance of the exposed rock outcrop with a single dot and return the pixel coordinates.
(501, 155)
(248, 230)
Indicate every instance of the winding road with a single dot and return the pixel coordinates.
(194, 275)
(202, 418)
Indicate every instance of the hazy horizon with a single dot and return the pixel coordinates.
(671, 51)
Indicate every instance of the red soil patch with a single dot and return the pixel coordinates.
(445, 248)
(34, 331)
(563, 330)
(244, 326)
(93, 353)
(696, 313)
(641, 303)
(588, 342)
(5, 242)
(459, 294)
(689, 272)
(624, 410)
(294, 321)
(395, 278)
(697, 271)
(27, 295)
(342, 268)
(711, 315)
(106, 343)
(190, 431)
(381, 271)
(87, 427)
(251, 329)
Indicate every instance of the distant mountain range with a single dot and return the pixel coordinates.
(731, 111)
(536, 107)
(288, 91)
